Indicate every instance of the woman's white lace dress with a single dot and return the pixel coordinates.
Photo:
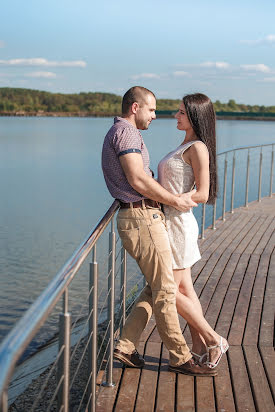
(177, 176)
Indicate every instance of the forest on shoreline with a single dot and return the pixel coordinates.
(19, 101)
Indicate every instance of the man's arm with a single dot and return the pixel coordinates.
(132, 165)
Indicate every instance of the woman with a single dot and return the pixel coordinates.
(192, 163)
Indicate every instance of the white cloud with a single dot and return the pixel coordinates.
(218, 65)
(40, 61)
(145, 76)
(181, 74)
(256, 67)
(269, 39)
(269, 80)
(2, 44)
(43, 75)
(208, 64)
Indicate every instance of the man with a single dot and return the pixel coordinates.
(141, 226)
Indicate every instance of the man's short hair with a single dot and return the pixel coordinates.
(135, 94)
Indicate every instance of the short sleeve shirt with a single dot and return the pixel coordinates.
(121, 139)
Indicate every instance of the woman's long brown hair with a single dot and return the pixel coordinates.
(202, 117)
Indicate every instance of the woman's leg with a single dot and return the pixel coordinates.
(189, 307)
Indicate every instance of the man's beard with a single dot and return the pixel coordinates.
(142, 124)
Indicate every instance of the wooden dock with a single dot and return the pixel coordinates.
(235, 280)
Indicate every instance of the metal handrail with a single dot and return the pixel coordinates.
(245, 147)
(224, 185)
(17, 340)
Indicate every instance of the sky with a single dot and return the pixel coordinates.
(225, 49)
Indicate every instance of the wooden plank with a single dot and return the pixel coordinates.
(107, 396)
(223, 388)
(259, 241)
(270, 245)
(208, 291)
(185, 393)
(240, 380)
(221, 226)
(260, 387)
(266, 337)
(149, 378)
(205, 394)
(214, 308)
(253, 236)
(252, 328)
(225, 245)
(227, 234)
(268, 359)
(241, 309)
(130, 380)
(197, 268)
(166, 386)
(227, 310)
(267, 241)
(244, 235)
(127, 391)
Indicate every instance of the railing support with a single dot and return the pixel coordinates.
(203, 221)
(260, 176)
(247, 179)
(64, 362)
(123, 287)
(4, 401)
(271, 171)
(111, 303)
(224, 188)
(233, 184)
(92, 351)
(214, 215)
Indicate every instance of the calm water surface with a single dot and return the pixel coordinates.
(53, 193)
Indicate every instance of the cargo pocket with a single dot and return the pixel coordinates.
(130, 241)
(160, 237)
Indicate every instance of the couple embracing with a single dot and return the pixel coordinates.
(163, 241)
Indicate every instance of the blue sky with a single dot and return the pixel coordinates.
(225, 49)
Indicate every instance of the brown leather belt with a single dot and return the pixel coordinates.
(147, 202)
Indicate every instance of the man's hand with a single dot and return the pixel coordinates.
(185, 202)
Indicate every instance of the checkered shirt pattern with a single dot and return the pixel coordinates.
(121, 139)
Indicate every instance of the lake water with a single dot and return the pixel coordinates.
(53, 192)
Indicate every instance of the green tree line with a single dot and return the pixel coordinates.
(14, 100)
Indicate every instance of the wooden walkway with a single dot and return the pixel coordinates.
(235, 280)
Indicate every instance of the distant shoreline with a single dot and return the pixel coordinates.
(159, 115)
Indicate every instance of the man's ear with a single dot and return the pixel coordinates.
(135, 107)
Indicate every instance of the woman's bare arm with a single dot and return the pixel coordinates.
(199, 160)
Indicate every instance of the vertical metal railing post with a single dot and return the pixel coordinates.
(214, 215)
(224, 187)
(123, 273)
(247, 178)
(271, 171)
(260, 176)
(233, 183)
(4, 401)
(63, 371)
(92, 350)
(111, 303)
(203, 221)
